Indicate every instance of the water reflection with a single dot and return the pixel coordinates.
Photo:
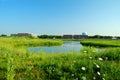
(73, 46)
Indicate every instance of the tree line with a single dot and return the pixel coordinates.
(61, 37)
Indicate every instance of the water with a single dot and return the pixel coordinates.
(71, 46)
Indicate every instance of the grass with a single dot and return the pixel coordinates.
(17, 63)
(101, 43)
(22, 41)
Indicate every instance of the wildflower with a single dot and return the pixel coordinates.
(20, 78)
(76, 79)
(97, 66)
(100, 59)
(106, 58)
(83, 78)
(94, 78)
(83, 68)
(103, 78)
(98, 73)
(90, 57)
(72, 74)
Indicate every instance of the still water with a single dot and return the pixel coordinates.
(71, 46)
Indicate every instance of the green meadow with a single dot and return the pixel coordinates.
(17, 63)
(100, 43)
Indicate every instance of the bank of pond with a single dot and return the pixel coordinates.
(18, 63)
(100, 43)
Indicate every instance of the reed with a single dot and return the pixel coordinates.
(101, 43)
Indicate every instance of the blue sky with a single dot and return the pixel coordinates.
(58, 17)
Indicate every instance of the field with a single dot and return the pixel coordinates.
(101, 43)
(17, 63)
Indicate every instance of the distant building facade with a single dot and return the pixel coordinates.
(84, 36)
(75, 36)
(67, 37)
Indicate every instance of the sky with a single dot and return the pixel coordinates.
(58, 17)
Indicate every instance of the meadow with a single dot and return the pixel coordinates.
(17, 63)
(100, 43)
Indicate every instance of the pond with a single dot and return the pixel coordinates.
(70, 46)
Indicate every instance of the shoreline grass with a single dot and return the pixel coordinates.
(22, 41)
(101, 43)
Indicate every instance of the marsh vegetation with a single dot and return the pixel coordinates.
(17, 63)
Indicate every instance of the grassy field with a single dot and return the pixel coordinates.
(101, 43)
(22, 41)
(17, 63)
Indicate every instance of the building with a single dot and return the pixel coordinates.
(67, 37)
(83, 36)
(76, 36)
(84, 33)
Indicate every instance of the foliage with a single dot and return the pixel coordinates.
(50, 36)
(99, 37)
(3, 35)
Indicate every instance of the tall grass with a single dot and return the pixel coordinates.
(88, 64)
(17, 63)
(21, 41)
(101, 43)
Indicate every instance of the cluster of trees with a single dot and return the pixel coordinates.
(50, 36)
(89, 37)
(102, 37)
(3, 35)
(60, 37)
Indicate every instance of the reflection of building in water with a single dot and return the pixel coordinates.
(24, 35)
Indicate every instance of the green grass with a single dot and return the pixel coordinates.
(22, 41)
(101, 43)
(17, 63)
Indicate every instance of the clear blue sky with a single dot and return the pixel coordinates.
(60, 17)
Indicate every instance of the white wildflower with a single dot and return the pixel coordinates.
(90, 57)
(97, 66)
(83, 68)
(103, 78)
(100, 59)
(94, 78)
(72, 74)
(84, 78)
(106, 58)
(98, 73)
